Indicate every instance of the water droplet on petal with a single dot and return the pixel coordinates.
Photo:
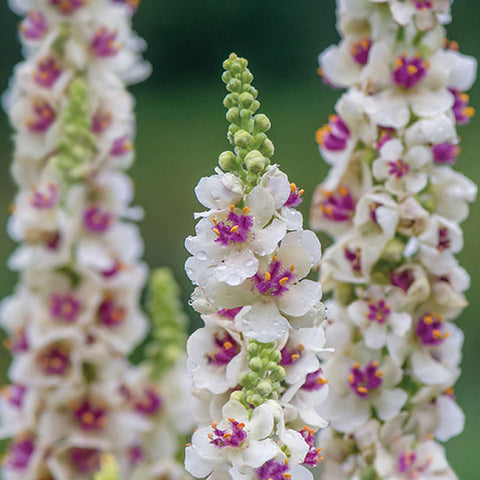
(201, 255)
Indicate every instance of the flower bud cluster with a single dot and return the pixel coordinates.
(75, 317)
(254, 365)
(393, 204)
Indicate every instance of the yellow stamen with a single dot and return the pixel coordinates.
(283, 281)
(267, 276)
(228, 345)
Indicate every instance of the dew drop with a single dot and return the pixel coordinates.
(201, 255)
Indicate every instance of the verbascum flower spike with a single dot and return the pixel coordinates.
(75, 316)
(169, 395)
(257, 379)
(393, 204)
(169, 322)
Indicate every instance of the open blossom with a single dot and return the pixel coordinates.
(255, 368)
(75, 315)
(394, 206)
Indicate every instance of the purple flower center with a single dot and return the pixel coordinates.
(378, 311)
(295, 197)
(430, 329)
(47, 73)
(136, 454)
(462, 111)
(89, 417)
(274, 282)
(43, 117)
(334, 135)
(229, 313)
(85, 460)
(96, 220)
(225, 349)
(64, 307)
(409, 71)
(104, 43)
(443, 239)
(402, 279)
(407, 464)
(338, 205)
(363, 381)
(14, 394)
(20, 452)
(385, 137)
(423, 4)
(314, 381)
(273, 470)
(360, 50)
(445, 153)
(398, 168)
(44, 201)
(313, 454)
(236, 230)
(18, 343)
(121, 146)
(100, 122)
(232, 437)
(291, 355)
(110, 313)
(355, 259)
(116, 267)
(34, 26)
(150, 403)
(54, 360)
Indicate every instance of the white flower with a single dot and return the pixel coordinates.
(355, 387)
(376, 315)
(216, 354)
(404, 171)
(236, 441)
(434, 350)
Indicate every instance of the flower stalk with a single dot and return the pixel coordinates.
(256, 374)
(393, 204)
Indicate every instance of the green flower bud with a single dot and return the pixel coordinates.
(267, 148)
(227, 160)
(393, 251)
(255, 364)
(245, 100)
(255, 161)
(253, 349)
(234, 85)
(278, 374)
(264, 388)
(237, 395)
(233, 115)
(257, 399)
(241, 138)
(261, 123)
(276, 357)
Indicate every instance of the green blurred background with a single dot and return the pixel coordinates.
(182, 129)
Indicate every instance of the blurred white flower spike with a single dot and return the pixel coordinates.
(393, 203)
(255, 368)
(75, 316)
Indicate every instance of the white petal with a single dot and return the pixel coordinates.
(389, 403)
(451, 419)
(264, 323)
(237, 267)
(300, 298)
(196, 465)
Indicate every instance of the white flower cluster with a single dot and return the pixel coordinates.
(256, 375)
(75, 314)
(393, 204)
